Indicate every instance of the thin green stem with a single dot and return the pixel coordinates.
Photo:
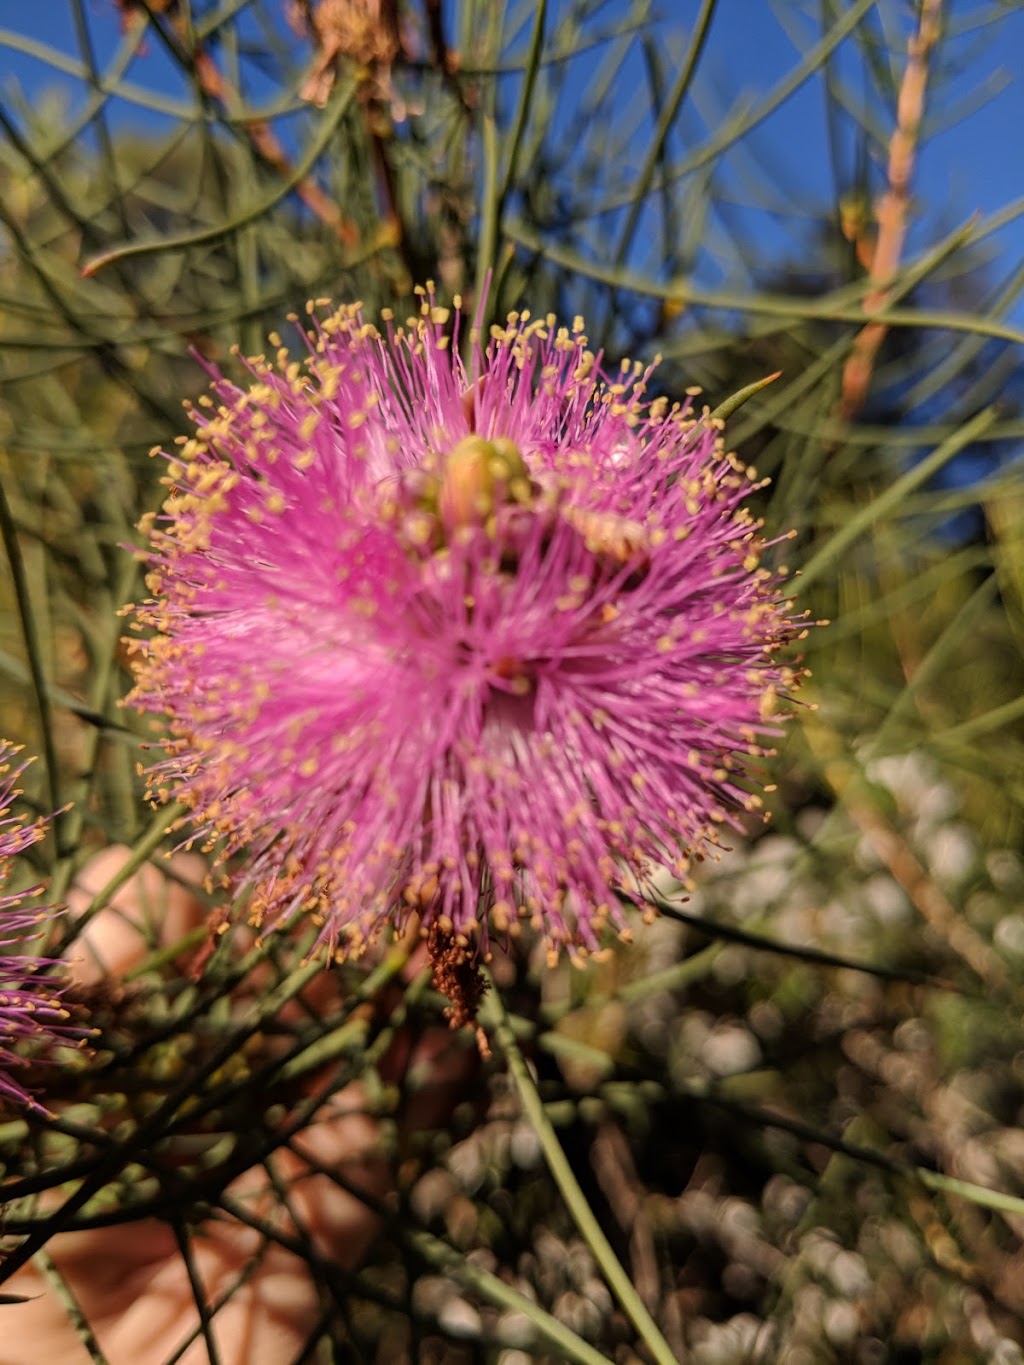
(728, 933)
(490, 207)
(72, 1308)
(181, 1236)
(72, 66)
(779, 306)
(338, 107)
(100, 690)
(970, 730)
(742, 124)
(939, 658)
(664, 126)
(888, 501)
(495, 1016)
(496, 1291)
(114, 1160)
(490, 194)
(33, 653)
(967, 1189)
(142, 851)
(525, 96)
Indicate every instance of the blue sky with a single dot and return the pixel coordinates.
(974, 162)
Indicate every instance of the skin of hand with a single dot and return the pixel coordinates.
(130, 1280)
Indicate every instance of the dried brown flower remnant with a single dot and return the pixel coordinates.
(457, 976)
(364, 30)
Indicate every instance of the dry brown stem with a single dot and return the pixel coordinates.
(892, 208)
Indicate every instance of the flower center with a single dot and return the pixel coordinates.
(462, 490)
(477, 478)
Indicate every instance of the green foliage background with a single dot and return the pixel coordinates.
(795, 1107)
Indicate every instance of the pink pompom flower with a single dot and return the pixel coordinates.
(482, 645)
(33, 1019)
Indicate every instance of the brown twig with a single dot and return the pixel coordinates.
(931, 902)
(892, 208)
(933, 905)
